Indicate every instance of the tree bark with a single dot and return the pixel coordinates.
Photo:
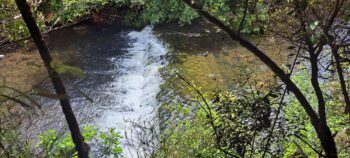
(342, 80)
(78, 139)
(335, 48)
(316, 84)
(325, 136)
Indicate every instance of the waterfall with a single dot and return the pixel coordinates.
(135, 86)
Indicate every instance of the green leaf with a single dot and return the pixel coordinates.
(62, 69)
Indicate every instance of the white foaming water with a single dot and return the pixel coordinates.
(136, 85)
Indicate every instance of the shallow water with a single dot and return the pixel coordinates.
(204, 54)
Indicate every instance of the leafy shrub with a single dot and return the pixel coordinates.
(57, 145)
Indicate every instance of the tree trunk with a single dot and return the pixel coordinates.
(327, 140)
(78, 139)
(342, 80)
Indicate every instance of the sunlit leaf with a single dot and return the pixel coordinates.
(63, 69)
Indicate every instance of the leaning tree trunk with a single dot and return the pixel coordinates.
(323, 131)
(342, 80)
(78, 139)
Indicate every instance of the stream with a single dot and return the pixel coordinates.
(135, 85)
(123, 86)
(122, 79)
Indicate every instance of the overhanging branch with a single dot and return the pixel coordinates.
(263, 57)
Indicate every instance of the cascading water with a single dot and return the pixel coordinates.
(122, 79)
(135, 86)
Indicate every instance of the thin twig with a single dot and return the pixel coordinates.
(280, 104)
(308, 144)
(209, 114)
(244, 16)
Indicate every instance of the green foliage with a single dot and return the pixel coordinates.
(187, 134)
(12, 141)
(161, 11)
(109, 143)
(298, 123)
(56, 147)
(139, 13)
(153, 12)
(222, 128)
(70, 10)
(232, 14)
(15, 147)
(12, 27)
(61, 145)
(189, 128)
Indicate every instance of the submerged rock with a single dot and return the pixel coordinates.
(205, 54)
(212, 76)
